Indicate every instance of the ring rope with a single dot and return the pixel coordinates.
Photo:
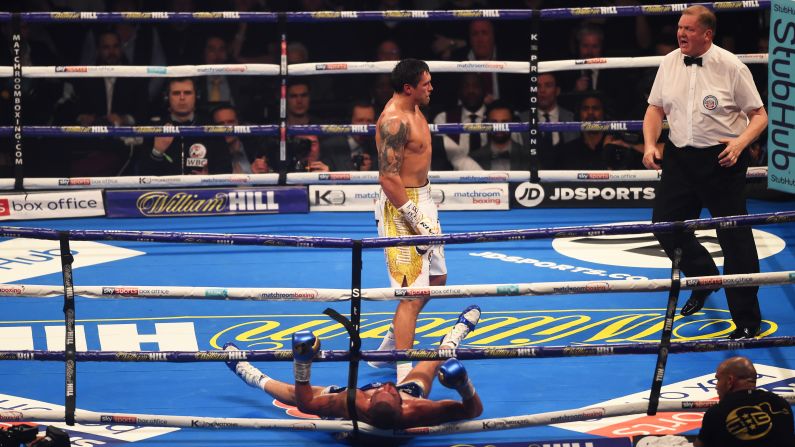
(341, 67)
(480, 425)
(451, 238)
(523, 352)
(388, 15)
(308, 294)
(354, 177)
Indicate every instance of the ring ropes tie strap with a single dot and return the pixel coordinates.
(283, 72)
(665, 338)
(532, 130)
(17, 38)
(70, 352)
(352, 326)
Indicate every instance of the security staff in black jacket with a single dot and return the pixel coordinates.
(179, 154)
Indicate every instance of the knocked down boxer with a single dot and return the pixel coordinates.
(383, 405)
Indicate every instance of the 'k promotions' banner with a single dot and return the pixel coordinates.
(781, 97)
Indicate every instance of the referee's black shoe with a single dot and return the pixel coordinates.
(695, 302)
(744, 332)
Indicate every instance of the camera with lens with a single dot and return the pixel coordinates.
(357, 160)
(298, 150)
(27, 435)
(619, 156)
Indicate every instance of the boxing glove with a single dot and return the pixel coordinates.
(419, 222)
(452, 374)
(305, 346)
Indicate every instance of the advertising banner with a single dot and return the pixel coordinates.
(487, 196)
(51, 205)
(781, 97)
(206, 202)
(581, 195)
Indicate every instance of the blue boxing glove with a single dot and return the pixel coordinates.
(305, 346)
(452, 374)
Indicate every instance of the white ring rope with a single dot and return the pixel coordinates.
(325, 68)
(341, 177)
(388, 294)
(318, 425)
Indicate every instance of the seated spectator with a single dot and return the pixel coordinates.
(299, 101)
(501, 153)
(612, 83)
(380, 92)
(140, 43)
(549, 111)
(216, 89)
(182, 154)
(109, 101)
(248, 154)
(353, 152)
(483, 47)
(470, 109)
(323, 87)
(597, 149)
(387, 50)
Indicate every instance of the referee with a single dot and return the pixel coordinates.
(714, 112)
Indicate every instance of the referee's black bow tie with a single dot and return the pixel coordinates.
(692, 60)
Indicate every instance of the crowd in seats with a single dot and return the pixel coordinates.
(333, 99)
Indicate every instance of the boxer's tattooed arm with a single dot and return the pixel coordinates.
(394, 137)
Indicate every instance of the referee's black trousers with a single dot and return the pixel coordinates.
(691, 180)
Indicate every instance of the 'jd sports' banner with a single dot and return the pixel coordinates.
(781, 97)
(578, 195)
(206, 202)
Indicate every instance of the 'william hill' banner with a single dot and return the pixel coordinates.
(206, 202)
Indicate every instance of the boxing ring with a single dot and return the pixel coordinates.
(154, 300)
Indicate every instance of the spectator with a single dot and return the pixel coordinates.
(180, 36)
(42, 97)
(217, 89)
(107, 101)
(596, 149)
(323, 88)
(483, 47)
(388, 50)
(247, 155)
(470, 109)
(549, 111)
(590, 40)
(253, 42)
(180, 154)
(299, 101)
(140, 44)
(354, 152)
(745, 414)
(380, 92)
(501, 153)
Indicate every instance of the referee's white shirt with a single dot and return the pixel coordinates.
(704, 104)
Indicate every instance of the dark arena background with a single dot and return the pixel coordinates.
(120, 282)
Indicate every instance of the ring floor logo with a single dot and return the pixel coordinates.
(643, 250)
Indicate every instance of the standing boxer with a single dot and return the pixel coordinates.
(405, 207)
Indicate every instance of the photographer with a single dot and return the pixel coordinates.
(353, 152)
(304, 154)
(27, 434)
